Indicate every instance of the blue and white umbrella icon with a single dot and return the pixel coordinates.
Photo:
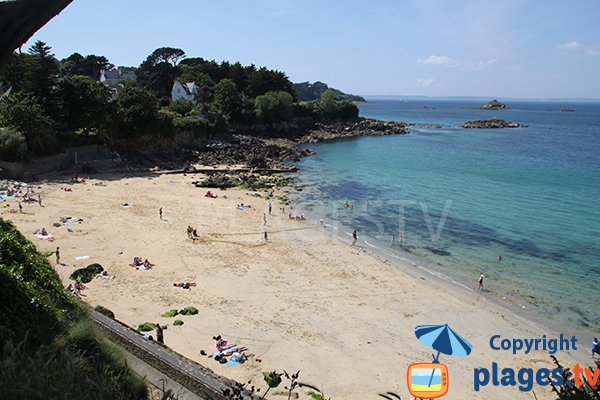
(443, 339)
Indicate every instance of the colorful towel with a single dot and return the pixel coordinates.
(44, 237)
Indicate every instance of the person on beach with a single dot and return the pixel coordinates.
(189, 231)
(393, 240)
(266, 235)
(354, 238)
(480, 282)
(20, 208)
(265, 218)
(40, 200)
(159, 334)
(78, 288)
(57, 253)
(184, 285)
(270, 207)
(595, 347)
(160, 213)
(401, 239)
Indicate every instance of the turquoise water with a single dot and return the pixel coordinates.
(460, 198)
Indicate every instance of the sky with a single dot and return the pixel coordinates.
(499, 49)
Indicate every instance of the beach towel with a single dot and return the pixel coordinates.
(71, 220)
(6, 196)
(44, 237)
(82, 257)
(232, 362)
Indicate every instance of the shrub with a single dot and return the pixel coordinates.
(189, 311)
(197, 125)
(146, 327)
(177, 322)
(182, 107)
(13, 146)
(170, 313)
(86, 274)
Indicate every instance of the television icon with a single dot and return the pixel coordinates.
(427, 380)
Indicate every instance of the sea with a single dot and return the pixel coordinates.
(450, 200)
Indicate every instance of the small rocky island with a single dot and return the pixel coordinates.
(493, 123)
(493, 105)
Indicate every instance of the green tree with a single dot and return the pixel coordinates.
(136, 110)
(41, 75)
(159, 69)
(85, 103)
(24, 113)
(328, 102)
(13, 146)
(263, 80)
(228, 101)
(273, 106)
(90, 65)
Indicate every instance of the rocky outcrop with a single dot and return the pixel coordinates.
(363, 127)
(494, 105)
(493, 123)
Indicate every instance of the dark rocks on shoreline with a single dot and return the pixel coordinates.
(494, 123)
(364, 127)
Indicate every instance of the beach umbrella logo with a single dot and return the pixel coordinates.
(431, 380)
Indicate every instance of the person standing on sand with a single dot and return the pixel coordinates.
(20, 208)
(480, 282)
(354, 238)
(40, 200)
(270, 206)
(160, 213)
(159, 334)
(265, 218)
(57, 252)
(266, 235)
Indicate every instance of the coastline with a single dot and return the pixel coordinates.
(301, 300)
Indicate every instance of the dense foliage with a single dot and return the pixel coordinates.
(49, 104)
(306, 91)
(49, 348)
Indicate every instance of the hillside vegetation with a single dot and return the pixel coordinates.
(50, 348)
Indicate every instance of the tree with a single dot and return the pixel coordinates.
(85, 103)
(136, 110)
(328, 101)
(23, 112)
(13, 146)
(159, 69)
(182, 107)
(90, 65)
(41, 75)
(228, 101)
(273, 106)
(263, 80)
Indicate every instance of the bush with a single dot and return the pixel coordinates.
(273, 106)
(177, 322)
(170, 313)
(13, 146)
(197, 125)
(189, 311)
(146, 327)
(182, 107)
(86, 274)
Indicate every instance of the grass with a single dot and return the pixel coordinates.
(177, 322)
(146, 327)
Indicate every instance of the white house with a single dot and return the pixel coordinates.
(184, 91)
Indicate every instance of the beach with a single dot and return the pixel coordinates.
(301, 300)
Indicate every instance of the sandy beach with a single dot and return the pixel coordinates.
(301, 300)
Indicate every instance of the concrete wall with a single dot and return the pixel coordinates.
(58, 162)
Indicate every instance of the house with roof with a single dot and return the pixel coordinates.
(114, 78)
(185, 91)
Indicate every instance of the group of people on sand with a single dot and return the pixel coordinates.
(184, 285)
(192, 233)
(76, 288)
(140, 264)
(225, 351)
(296, 217)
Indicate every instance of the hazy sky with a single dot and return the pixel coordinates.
(502, 48)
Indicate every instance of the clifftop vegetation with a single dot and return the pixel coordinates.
(48, 104)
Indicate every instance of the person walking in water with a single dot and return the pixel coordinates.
(480, 282)
(354, 238)
(393, 240)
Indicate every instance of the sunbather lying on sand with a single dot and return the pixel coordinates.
(184, 285)
(211, 195)
(104, 275)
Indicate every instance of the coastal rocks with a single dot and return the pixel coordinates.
(363, 127)
(493, 123)
(494, 105)
(567, 110)
(246, 181)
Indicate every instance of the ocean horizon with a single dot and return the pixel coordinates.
(516, 205)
